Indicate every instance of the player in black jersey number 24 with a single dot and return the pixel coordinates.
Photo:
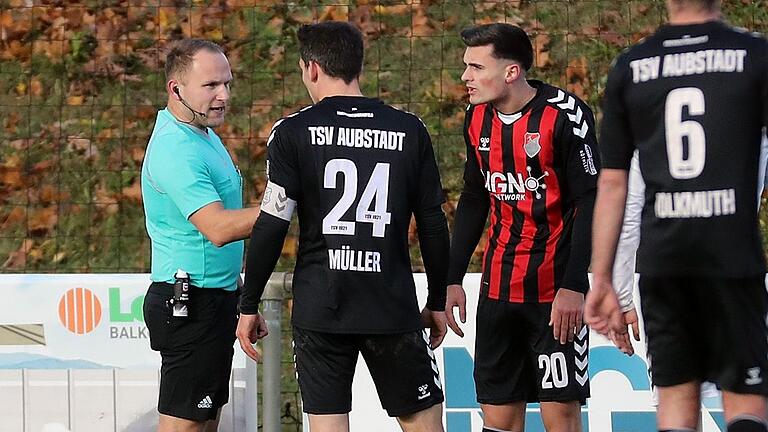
(356, 171)
(692, 99)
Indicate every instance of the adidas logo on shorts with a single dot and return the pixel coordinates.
(205, 403)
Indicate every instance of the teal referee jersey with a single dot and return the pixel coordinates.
(184, 170)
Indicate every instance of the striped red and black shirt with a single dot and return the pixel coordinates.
(535, 171)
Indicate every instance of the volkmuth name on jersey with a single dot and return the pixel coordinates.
(347, 259)
(356, 137)
(688, 63)
(698, 204)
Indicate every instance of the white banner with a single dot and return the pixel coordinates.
(89, 321)
(621, 400)
(96, 321)
(91, 324)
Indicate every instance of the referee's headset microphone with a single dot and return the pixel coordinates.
(183, 102)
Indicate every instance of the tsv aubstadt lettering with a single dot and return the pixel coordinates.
(356, 137)
(688, 63)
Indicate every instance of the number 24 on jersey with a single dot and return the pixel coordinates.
(375, 193)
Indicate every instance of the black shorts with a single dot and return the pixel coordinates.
(196, 351)
(707, 329)
(402, 366)
(518, 359)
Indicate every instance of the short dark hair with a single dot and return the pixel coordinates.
(709, 5)
(337, 47)
(180, 55)
(509, 41)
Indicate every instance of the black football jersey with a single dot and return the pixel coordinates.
(358, 169)
(693, 100)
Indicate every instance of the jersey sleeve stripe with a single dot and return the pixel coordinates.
(546, 271)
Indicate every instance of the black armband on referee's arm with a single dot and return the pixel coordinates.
(468, 225)
(434, 243)
(575, 277)
(264, 250)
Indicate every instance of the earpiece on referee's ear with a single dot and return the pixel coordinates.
(176, 90)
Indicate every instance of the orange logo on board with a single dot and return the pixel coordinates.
(79, 310)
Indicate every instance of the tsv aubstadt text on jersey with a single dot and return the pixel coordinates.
(356, 137)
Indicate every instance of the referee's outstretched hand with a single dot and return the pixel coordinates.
(251, 328)
(601, 312)
(435, 322)
(455, 297)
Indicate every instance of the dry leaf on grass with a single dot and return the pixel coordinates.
(43, 220)
(133, 192)
(14, 217)
(18, 258)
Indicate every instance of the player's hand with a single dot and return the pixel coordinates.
(601, 311)
(435, 322)
(566, 319)
(622, 341)
(455, 297)
(251, 328)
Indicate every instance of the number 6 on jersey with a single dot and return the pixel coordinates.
(376, 192)
(681, 167)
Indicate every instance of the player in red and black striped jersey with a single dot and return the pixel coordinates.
(532, 164)
(529, 168)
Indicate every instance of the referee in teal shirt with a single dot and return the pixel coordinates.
(193, 202)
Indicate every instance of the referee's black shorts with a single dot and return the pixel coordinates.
(196, 351)
(707, 329)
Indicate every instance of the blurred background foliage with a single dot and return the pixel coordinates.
(81, 82)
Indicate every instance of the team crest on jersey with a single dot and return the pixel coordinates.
(531, 144)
